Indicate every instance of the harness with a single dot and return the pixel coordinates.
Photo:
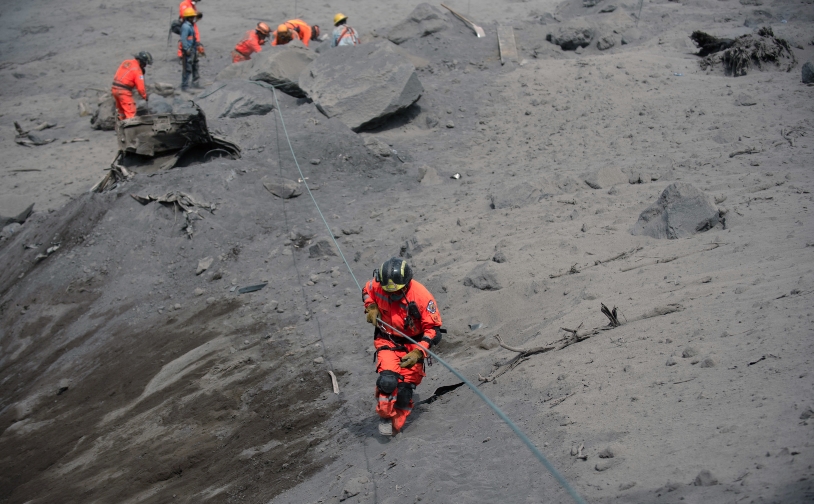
(348, 32)
(123, 86)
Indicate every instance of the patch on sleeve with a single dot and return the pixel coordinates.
(431, 307)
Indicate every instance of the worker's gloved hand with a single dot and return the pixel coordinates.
(201, 50)
(411, 358)
(372, 313)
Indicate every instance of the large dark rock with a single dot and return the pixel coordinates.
(483, 277)
(279, 66)
(808, 73)
(105, 116)
(362, 85)
(424, 20)
(14, 208)
(157, 104)
(681, 211)
(572, 34)
(236, 98)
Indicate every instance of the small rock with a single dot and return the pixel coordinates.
(450, 124)
(604, 465)
(319, 360)
(705, 478)
(671, 361)
(745, 100)
(689, 352)
(499, 257)
(807, 413)
(322, 248)
(177, 306)
(707, 363)
(63, 385)
(627, 486)
(487, 343)
(607, 453)
(605, 43)
(199, 291)
(210, 300)
(203, 265)
(483, 277)
(808, 73)
(316, 161)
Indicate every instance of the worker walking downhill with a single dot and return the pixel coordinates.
(189, 47)
(251, 43)
(129, 76)
(184, 5)
(393, 298)
(295, 29)
(343, 34)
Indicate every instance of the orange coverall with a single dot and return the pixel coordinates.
(298, 29)
(250, 44)
(391, 347)
(184, 5)
(128, 76)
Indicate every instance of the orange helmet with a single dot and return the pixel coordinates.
(283, 28)
(263, 29)
(189, 12)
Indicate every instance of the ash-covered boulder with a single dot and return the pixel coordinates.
(483, 277)
(424, 20)
(572, 34)
(279, 66)
(363, 85)
(681, 211)
(14, 209)
(105, 116)
(282, 187)
(236, 98)
(157, 104)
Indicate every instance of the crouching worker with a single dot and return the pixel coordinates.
(251, 43)
(394, 300)
(130, 76)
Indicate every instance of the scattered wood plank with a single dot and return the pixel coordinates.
(477, 29)
(574, 269)
(671, 259)
(334, 382)
(506, 44)
(748, 150)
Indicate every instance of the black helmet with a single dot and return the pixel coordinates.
(394, 274)
(144, 58)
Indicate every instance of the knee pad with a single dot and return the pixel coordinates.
(405, 395)
(387, 382)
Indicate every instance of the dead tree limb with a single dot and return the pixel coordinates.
(574, 269)
(671, 259)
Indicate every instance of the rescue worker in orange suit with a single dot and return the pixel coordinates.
(190, 51)
(393, 298)
(295, 29)
(190, 4)
(251, 43)
(130, 76)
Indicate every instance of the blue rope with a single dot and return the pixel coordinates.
(537, 453)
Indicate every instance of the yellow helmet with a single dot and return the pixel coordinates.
(189, 12)
(339, 18)
(283, 28)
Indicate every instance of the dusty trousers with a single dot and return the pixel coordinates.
(398, 404)
(189, 69)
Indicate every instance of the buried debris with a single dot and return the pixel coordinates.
(29, 138)
(737, 56)
(184, 201)
(150, 143)
(251, 288)
(574, 336)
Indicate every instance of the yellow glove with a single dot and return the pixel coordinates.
(372, 312)
(411, 358)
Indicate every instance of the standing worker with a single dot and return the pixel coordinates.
(184, 5)
(129, 76)
(189, 47)
(295, 29)
(251, 43)
(343, 34)
(394, 300)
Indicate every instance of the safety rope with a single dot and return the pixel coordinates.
(534, 450)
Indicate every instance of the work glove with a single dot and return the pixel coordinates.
(202, 51)
(411, 358)
(372, 313)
